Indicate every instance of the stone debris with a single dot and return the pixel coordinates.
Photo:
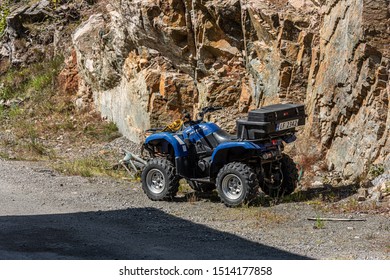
(378, 190)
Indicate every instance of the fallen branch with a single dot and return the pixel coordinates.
(337, 219)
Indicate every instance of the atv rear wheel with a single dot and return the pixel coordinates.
(290, 179)
(159, 180)
(290, 175)
(236, 184)
(201, 187)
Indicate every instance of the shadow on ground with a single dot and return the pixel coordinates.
(326, 193)
(141, 233)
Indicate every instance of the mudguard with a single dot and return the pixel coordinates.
(224, 147)
(231, 151)
(175, 140)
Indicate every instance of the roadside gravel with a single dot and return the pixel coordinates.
(45, 215)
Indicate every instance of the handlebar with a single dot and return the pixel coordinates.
(210, 109)
(187, 117)
(207, 109)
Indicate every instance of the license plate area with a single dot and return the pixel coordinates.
(286, 125)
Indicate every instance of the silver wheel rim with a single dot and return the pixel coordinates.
(155, 181)
(232, 186)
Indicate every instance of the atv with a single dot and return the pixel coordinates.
(238, 166)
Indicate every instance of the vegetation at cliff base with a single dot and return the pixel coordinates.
(4, 12)
(39, 121)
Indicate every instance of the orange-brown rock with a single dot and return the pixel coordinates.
(68, 79)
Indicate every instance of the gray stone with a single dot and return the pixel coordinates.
(317, 184)
(381, 179)
(376, 196)
(362, 194)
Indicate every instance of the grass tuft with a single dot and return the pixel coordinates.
(106, 131)
(319, 223)
(88, 167)
(4, 12)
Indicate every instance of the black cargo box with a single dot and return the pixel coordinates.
(271, 121)
(276, 112)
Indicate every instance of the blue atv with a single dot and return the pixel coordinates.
(238, 166)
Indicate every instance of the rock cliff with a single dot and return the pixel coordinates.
(143, 62)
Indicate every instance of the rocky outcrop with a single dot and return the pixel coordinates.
(37, 31)
(161, 58)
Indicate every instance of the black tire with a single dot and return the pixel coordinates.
(236, 184)
(290, 175)
(159, 181)
(290, 179)
(201, 187)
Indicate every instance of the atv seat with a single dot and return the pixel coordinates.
(211, 141)
(222, 136)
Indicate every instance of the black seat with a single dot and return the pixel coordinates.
(222, 136)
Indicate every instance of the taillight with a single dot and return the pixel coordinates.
(274, 142)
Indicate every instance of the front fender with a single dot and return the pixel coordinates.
(174, 140)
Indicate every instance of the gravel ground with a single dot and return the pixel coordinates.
(45, 215)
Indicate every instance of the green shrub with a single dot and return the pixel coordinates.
(376, 170)
(4, 12)
(35, 79)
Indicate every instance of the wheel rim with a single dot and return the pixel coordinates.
(155, 181)
(232, 186)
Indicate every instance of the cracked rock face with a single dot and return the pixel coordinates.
(349, 90)
(146, 61)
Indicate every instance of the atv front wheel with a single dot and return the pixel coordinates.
(236, 184)
(159, 180)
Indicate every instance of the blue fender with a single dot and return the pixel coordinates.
(221, 153)
(175, 140)
(233, 145)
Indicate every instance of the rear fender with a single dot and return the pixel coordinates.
(233, 151)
